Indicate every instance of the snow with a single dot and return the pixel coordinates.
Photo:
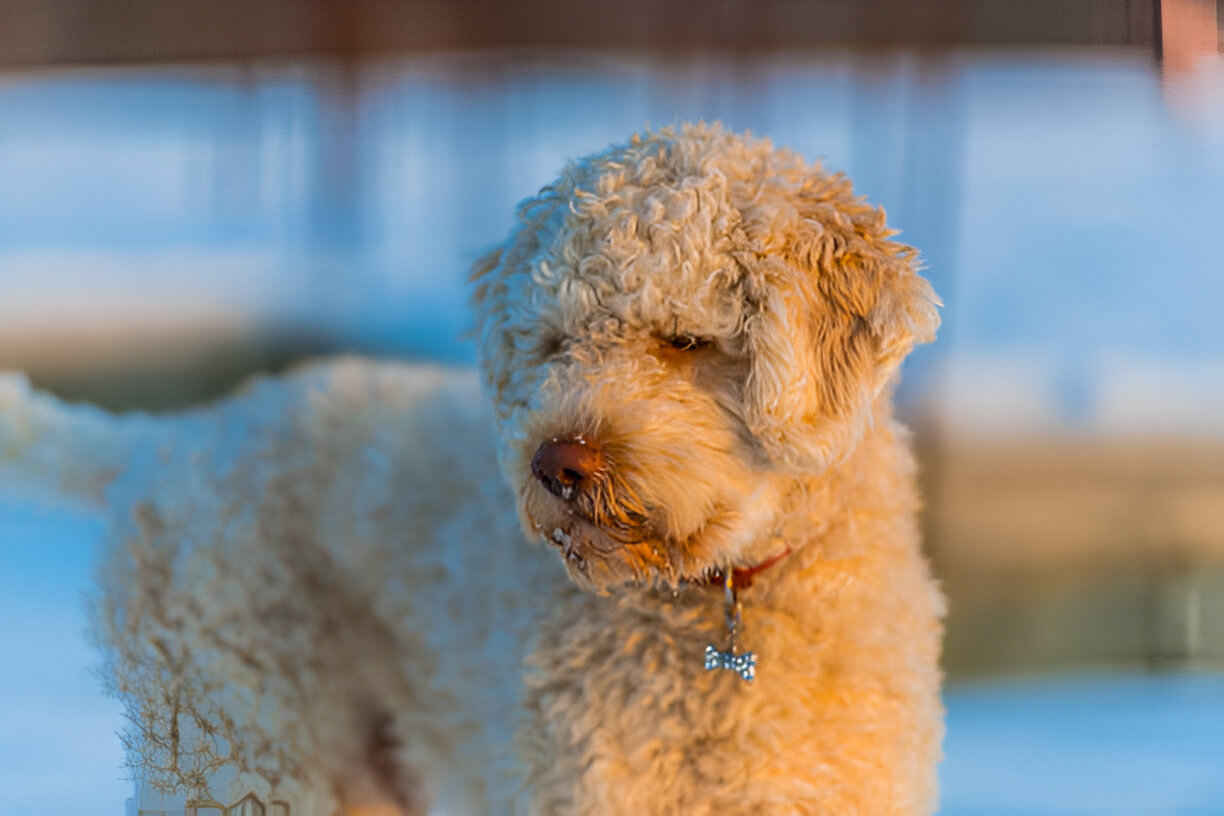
(59, 755)
(1088, 744)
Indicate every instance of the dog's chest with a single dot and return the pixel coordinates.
(619, 688)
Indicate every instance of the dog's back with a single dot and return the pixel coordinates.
(321, 568)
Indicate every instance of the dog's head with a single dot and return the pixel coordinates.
(677, 329)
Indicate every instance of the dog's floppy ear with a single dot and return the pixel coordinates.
(836, 306)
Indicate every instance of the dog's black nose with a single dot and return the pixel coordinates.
(566, 466)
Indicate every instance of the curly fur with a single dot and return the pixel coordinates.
(723, 320)
(774, 433)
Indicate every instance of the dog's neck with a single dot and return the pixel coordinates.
(836, 499)
(742, 577)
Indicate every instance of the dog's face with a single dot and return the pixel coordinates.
(677, 329)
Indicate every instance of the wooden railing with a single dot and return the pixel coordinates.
(42, 32)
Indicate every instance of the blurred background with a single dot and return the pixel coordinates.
(194, 192)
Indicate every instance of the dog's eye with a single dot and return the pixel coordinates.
(687, 342)
(550, 345)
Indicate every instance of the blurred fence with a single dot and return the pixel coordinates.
(65, 31)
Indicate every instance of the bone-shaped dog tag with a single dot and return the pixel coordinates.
(742, 664)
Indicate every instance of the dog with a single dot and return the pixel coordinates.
(335, 588)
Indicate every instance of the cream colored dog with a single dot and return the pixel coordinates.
(688, 342)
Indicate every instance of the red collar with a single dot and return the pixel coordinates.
(741, 577)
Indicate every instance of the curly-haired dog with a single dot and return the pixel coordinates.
(689, 342)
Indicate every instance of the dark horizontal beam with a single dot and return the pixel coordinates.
(58, 32)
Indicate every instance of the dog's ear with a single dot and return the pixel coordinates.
(836, 306)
